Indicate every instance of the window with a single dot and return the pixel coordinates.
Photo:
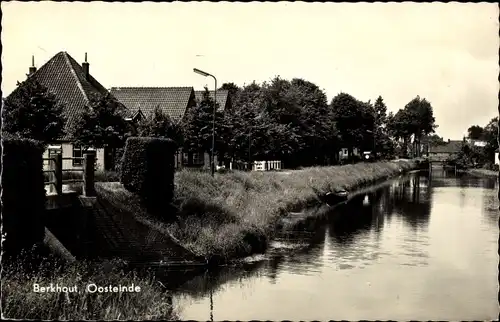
(198, 158)
(77, 153)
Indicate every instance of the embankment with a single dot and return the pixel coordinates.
(236, 214)
(483, 172)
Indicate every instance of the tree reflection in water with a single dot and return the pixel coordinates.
(352, 234)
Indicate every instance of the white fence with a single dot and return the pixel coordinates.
(266, 165)
(257, 165)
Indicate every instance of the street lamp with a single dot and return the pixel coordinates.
(202, 73)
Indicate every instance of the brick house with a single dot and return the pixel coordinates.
(173, 101)
(72, 84)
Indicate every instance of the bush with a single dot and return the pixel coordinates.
(491, 166)
(23, 193)
(147, 170)
(107, 176)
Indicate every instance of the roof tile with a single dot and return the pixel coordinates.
(448, 147)
(65, 78)
(173, 101)
(222, 96)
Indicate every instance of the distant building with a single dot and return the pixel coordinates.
(478, 143)
(72, 85)
(174, 102)
(344, 153)
(446, 150)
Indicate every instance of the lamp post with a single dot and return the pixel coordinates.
(212, 163)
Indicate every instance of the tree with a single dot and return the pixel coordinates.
(245, 124)
(380, 112)
(197, 126)
(433, 139)
(32, 111)
(318, 135)
(232, 88)
(475, 132)
(159, 124)
(490, 134)
(102, 124)
(420, 120)
(283, 119)
(415, 121)
(353, 120)
(383, 144)
(398, 129)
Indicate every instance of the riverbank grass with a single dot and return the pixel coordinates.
(235, 214)
(483, 172)
(20, 301)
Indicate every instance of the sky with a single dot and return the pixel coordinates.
(444, 52)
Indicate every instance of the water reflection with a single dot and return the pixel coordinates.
(405, 231)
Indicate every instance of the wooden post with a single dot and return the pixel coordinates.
(88, 174)
(58, 172)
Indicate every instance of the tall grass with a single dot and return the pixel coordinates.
(19, 301)
(235, 214)
(483, 172)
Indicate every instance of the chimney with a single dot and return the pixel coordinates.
(32, 69)
(85, 67)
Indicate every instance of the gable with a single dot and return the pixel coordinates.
(222, 97)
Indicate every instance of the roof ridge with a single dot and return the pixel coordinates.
(73, 72)
(38, 69)
(211, 90)
(155, 87)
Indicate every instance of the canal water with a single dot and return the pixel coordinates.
(417, 248)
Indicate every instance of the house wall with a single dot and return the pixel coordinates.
(67, 152)
(496, 158)
(181, 160)
(206, 160)
(344, 153)
(100, 159)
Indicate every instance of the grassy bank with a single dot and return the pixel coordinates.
(483, 173)
(235, 214)
(19, 301)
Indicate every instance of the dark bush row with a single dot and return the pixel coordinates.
(23, 193)
(147, 169)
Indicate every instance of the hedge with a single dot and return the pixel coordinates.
(147, 169)
(23, 193)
